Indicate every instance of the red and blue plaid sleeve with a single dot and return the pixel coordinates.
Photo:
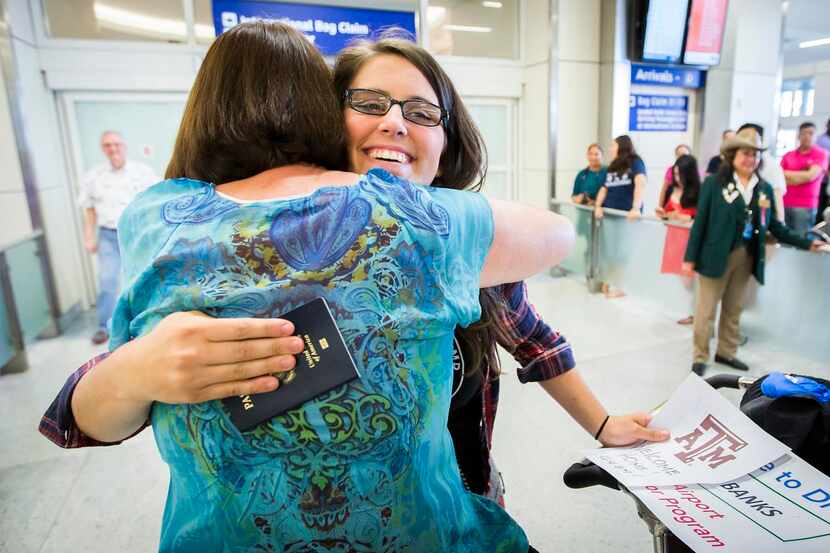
(541, 351)
(58, 423)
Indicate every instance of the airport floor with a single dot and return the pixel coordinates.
(111, 499)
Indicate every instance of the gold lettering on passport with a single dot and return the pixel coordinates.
(324, 344)
(310, 353)
(247, 402)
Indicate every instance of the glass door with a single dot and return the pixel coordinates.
(148, 122)
(496, 121)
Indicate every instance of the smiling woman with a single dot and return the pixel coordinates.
(411, 151)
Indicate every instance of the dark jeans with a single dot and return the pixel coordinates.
(800, 219)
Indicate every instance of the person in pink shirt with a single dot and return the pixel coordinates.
(804, 168)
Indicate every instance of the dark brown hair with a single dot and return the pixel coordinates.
(463, 163)
(263, 98)
(463, 166)
(690, 180)
(727, 167)
(626, 154)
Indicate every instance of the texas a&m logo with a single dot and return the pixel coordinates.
(710, 443)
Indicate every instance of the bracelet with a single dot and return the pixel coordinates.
(596, 436)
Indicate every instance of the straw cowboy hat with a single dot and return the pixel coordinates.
(747, 138)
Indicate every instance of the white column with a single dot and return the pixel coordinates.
(744, 87)
(579, 88)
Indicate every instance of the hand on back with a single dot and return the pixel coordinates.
(190, 357)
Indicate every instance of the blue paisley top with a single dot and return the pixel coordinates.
(369, 466)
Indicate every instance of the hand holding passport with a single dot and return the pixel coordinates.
(325, 363)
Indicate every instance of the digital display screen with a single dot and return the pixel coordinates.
(665, 24)
(705, 37)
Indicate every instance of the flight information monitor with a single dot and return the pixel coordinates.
(665, 25)
(707, 21)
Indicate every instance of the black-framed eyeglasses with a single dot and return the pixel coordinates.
(373, 102)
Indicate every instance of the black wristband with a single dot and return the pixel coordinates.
(596, 436)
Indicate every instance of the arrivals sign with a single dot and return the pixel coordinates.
(660, 75)
(330, 28)
(656, 112)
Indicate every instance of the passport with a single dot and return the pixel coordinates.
(324, 364)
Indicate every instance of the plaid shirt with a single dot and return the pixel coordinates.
(542, 353)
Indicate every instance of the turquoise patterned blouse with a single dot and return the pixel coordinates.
(366, 467)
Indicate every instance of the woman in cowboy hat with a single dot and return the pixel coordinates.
(726, 245)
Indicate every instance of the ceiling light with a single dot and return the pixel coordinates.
(468, 28)
(488, 4)
(814, 43)
(435, 14)
(127, 20)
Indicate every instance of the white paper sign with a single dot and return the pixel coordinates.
(711, 441)
(784, 507)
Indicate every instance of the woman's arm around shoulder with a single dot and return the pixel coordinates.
(526, 240)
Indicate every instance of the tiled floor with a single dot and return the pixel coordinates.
(111, 499)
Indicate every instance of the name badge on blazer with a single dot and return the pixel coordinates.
(730, 193)
(763, 201)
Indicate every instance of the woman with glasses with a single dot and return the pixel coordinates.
(423, 130)
(254, 221)
(375, 77)
(727, 245)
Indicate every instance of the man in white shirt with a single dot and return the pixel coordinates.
(104, 193)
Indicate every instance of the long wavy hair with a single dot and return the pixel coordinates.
(263, 98)
(463, 166)
(689, 180)
(626, 154)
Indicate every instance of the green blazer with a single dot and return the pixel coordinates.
(719, 223)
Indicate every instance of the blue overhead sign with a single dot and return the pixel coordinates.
(660, 75)
(330, 28)
(654, 112)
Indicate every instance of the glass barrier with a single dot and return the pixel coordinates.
(8, 350)
(579, 261)
(642, 259)
(29, 288)
(790, 311)
(630, 259)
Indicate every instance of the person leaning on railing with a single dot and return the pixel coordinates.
(727, 245)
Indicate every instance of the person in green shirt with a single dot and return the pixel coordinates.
(726, 246)
(590, 179)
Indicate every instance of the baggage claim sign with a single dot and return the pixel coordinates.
(330, 28)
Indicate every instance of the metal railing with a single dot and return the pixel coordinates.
(627, 255)
(28, 309)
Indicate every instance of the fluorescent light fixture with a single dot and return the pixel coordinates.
(468, 28)
(814, 43)
(130, 21)
(488, 4)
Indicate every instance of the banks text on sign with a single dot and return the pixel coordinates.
(657, 75)
(330, 28)
(654, 112)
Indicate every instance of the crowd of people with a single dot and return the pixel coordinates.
(743, 196)
(287, 183)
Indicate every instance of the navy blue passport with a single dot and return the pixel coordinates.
(324, 364)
